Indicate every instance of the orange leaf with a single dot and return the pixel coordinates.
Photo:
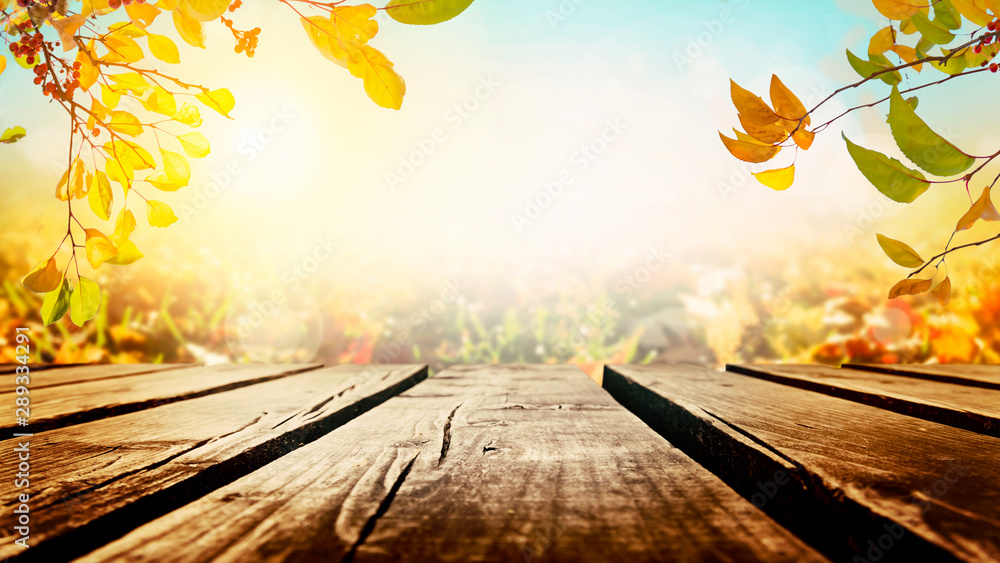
(909, 287)
(787, 106)
(982, 209)
(943, 291)
(899, 9)
(769, 134)
(749, 152)
(804, 139)
(882, 41)
(751, 107)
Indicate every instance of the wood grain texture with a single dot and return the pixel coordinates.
(11, 368)
(960, 406)
(976, 375)
(50, 376)
(480, 463)
(101, 479)
(852, 469)
(62, 406)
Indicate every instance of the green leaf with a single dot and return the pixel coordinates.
(946, 14)
(426, 12)
(932, 31)
(955, 65)
(84, 301)
(867, 68)
(913, 101)
(896, 181)
(55, 304)
(900, 252)
(127, 254)
(13, 135)
(921, 144)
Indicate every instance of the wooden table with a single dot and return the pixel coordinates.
(506, 463)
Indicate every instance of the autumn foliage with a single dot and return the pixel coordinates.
(87, 56)
(956, 38)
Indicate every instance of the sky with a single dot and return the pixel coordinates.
(532, 133)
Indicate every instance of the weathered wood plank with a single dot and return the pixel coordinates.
(96, 481)
(976, 375)
(838, 473)
(960, 406)
(488, 463)
(57, 407)
(51, 376)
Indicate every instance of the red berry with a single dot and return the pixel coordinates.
(993, 67)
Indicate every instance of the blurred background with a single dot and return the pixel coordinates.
(553, 190)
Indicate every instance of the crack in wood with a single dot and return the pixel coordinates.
(446, 442)
(798, 466)
(383, 507)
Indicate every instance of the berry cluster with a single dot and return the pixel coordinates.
(246, 41)
(115, 4)
(992, 27)
(29, 47)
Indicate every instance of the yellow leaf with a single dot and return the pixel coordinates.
(88, 72)
(110, 97)
(125, 123)
(909, 287)
(188, 115)
(134, 155)
(899, 9)
(99, 248)
(751, 107)
(84, 301)
(383, 85)
(220, 100)
(122, 49)
(749, 152)
(73, 183)
(3, 63)
(127, 254)
(163, 48)
(176, 167)
(120, 171)
(943, 291)
(882, 41)
(124, 227)
(982, 209)
(160, 101)
(972, 11)
(741, 136)
(128, 29)
(203, 10)
(100, 197)
(133, 81)
(66, 28)
(161, 181)
(142, 15)
(787, 106)
(900, 252)
(803, 138)
(194, 144)
(191, 30)
(777, 179)
(323, 34)
(159, 214)
(355, 26)
(44, 277)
